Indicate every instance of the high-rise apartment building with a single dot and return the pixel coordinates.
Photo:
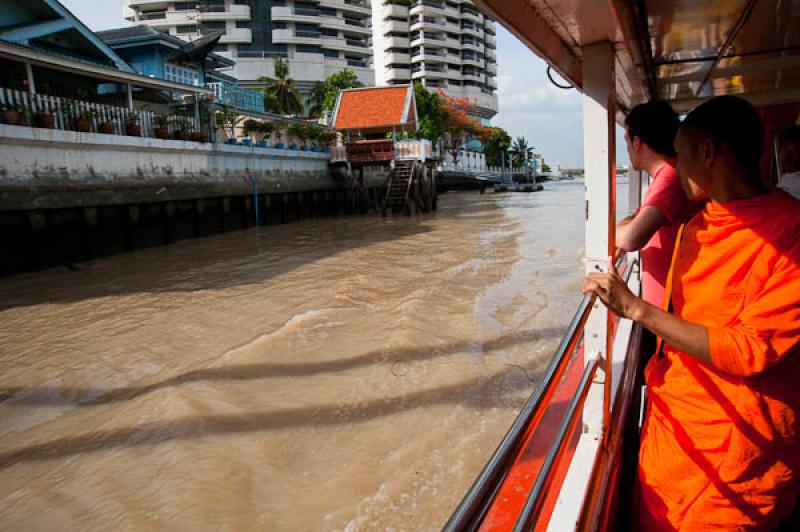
(445, 44)
(318, 38)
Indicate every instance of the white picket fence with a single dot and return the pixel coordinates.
(32, 104)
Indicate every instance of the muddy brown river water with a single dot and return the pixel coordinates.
(334, 374)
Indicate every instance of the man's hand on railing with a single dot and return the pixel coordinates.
(613, 292)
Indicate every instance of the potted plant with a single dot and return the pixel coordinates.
(132, 124)
(299, 130)
(280, 130)
(266, 129)
(181, 127)
(198, 136)
(107, 127)
(229, 120)
(161, 131)
(13, 114)
(314, 133)
(45, 119)
(82, 119)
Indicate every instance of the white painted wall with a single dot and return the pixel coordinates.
(71, 161)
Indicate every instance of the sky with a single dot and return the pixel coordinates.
(549, 118)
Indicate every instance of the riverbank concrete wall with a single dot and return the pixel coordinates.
(67, 197)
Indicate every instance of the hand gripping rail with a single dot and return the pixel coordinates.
(473, 506)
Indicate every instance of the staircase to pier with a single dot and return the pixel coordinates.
(399, 186)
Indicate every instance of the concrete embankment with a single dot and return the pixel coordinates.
(67, 197)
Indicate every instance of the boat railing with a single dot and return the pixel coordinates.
(476, 502)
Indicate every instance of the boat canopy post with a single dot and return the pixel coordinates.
(599, 155)
(635, 178)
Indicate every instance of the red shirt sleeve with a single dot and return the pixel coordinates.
(667, 195)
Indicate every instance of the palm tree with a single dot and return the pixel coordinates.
(316, 99)
(281, 94)
(520, 151)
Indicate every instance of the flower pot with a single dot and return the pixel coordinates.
(304, 147)
(134, 130)
(247, 142)
(196, 136)
(13, 117)
(181, 135)
(82, 125)
(292, 146)
(232, 142)
(107, 128)
(45, 120)
(280, 146)
(161, 133)
(263, 144)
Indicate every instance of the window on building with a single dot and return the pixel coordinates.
(185, 6)
(327, 32)
(330, 53)
(186, 28)
(306, 49)
(213, 26)
(221, 48)
(327, 11)
(181, 74)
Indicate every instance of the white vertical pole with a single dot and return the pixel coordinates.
(130, 97)
(599, 102)
(31, 81)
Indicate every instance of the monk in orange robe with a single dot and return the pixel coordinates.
(720, 445)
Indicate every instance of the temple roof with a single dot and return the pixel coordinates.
(376, 108)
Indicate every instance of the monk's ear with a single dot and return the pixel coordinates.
(708, 152)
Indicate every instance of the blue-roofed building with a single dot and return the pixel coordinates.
(158, 54)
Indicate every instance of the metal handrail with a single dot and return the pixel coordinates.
(476, 501)
(534, 502)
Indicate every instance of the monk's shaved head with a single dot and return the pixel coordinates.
(729, 122)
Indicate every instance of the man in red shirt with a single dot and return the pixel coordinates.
(650, 130)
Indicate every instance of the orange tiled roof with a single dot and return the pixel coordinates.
(369, 108)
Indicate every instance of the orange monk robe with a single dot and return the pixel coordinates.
(720, 442)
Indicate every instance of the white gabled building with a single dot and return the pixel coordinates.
(445, 44)
(318, 38)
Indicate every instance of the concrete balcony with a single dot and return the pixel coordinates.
(348, 46)
(475, 31)
(395, 26)
(491, 68)
(453, 43)
(431, 10)
(476, 46)
(232, 12)
(287, 14)
(473, 17)
(138, 4)
(237, 36)
(395, 74)
(358, 7)
(396, 42)
(430, 56)
(473, 61)
(473, 76)
(399, 58)
(293, 37)
(395, 11)
(491, 55)
(345, 25)
(490, 40)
